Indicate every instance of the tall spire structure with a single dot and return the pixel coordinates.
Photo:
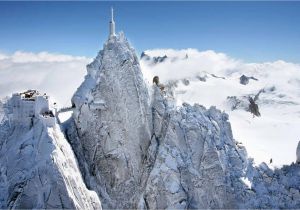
(112, 25)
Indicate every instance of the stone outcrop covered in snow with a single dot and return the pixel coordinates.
(272, 189)
(38, 168)
(112, 117)
(193, 159)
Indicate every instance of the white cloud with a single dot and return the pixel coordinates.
(2, 56)
(28, 57)
(177, 67)
(56, 74)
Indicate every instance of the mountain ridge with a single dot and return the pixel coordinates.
(135, 149)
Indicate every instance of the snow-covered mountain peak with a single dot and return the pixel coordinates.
(112, 117)
(109, 64)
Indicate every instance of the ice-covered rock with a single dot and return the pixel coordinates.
(38, 169)
(115, 138)
(273, 189)
(196, 160)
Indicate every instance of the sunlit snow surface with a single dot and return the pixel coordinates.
(273, 135)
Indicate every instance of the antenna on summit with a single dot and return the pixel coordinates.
(112, 24)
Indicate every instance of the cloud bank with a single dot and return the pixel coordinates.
(188, 63)
(55, 74)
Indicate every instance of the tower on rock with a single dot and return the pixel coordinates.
(112, 25)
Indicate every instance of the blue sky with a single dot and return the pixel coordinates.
(251, 31)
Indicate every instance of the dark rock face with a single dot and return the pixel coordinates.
(156, 80)
(155, 60)
(215, 76)
(202, 79)
(145, 56)
(186, 82)
(244, 80)
(159, 59)
(247, 103)
(253, 107)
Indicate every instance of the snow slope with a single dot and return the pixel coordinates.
(208, 78)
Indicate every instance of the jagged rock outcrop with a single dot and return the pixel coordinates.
(273, 189)
(248, 103)
(38, 169)
(244, 80)
(155, 60)
(194, 155)
(112, 117)
(253, 107)
(145, 56)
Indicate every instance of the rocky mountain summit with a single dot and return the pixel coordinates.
(128, 146)
(137, 150)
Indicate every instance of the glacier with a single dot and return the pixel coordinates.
(128, 146)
